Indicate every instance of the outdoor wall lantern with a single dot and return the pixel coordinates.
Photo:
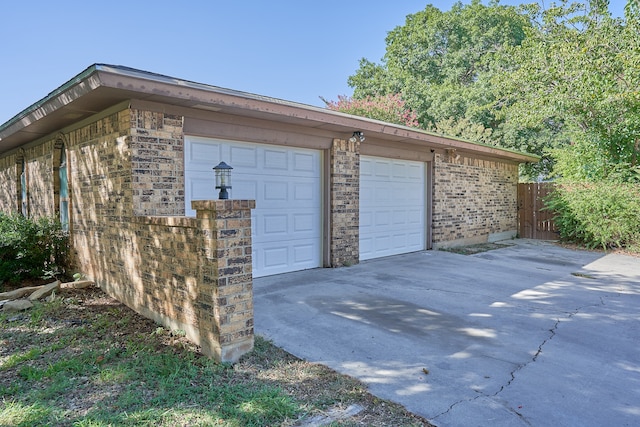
(357, 135)
(223, 179)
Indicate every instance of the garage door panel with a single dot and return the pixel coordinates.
(383, 218)
(243, 189)
(366, 220)
(241, 157)
(399, 218)
(275, 191)
(366, 246)
(303, 254)
(275, 160)
(366, 193)
(274, 225)
(381, 169)
(201, 152)
(305, 191)
(285, 182)
(304, 222)
(415, 241)
(366, 167)
(305, 163)
(199, 186)
(275, 257)
(399, 241)
(414, 217)
(392, 207)
(400, 171)
(416, 172)
(383, 196)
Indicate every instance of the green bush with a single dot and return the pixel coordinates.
(600, 214)
(31, 248)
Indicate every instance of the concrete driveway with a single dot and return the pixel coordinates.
(529, 335)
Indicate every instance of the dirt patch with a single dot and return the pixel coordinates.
(475, 249)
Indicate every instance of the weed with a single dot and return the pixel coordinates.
(18, 414)
(18, 358)
(586, 276)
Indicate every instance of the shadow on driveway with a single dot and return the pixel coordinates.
(529, 334)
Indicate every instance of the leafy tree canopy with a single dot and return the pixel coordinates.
(577, 73)
(440, 62)
(561, 82)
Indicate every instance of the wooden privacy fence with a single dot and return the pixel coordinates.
(533, 221)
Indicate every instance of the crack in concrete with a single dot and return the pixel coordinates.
(513, 377)
(454, 404)
(535, 356)
(552, 333)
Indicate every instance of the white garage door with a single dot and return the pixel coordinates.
(286, 185)
(392, 207)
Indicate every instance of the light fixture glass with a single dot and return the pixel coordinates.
(223, 179)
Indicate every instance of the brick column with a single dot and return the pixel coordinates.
(225, 293)
(345, 203)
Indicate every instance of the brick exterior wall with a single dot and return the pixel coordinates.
(39, 167)
(126, 184)
(158, 163)
(9, 186)
(344, 201)
(474, 200)
(185, 273)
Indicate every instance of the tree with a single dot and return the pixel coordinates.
(632, 10)
(441, 62)
(576, 76)
(389, 108)
(561, 82)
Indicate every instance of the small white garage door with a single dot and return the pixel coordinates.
(286, 185)
(392, 207)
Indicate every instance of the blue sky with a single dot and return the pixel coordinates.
(293, 50)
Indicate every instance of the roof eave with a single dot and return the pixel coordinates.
(101, 86)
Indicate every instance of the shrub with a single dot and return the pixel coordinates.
(600, 214)
(31, 248)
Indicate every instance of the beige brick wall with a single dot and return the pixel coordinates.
(40, 180)
(474, 200)
(157, 162)
(225, 292)
(9, 187)
(39, 168)
(126, 176)
(344, 200)
(186, 273)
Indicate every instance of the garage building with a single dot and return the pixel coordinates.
(114, 149)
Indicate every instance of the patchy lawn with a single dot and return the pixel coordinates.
(84, 359)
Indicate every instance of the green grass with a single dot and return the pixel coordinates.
(66, 363)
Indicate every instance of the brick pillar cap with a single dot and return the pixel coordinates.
(222, 205)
